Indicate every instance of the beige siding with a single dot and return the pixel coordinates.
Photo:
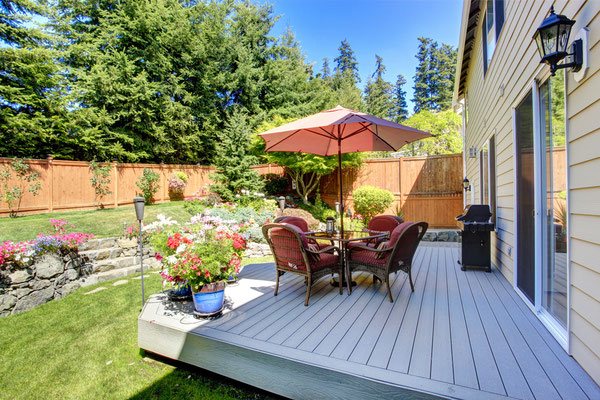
(490, 103)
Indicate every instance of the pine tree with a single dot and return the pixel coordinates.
(325, 70)
(233, 161)
(378, 93)
(346, 62)
(401, 109)
(445, 67)
(434, 76)
(422, 94)
(31, 107)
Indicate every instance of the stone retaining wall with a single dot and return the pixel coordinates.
(50, 277)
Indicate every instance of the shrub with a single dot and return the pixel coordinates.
(100, 180)
(370, 201)
(24, 179)
(320, 210)
(275, 184)
(194, 206)
(149, 184)
(177, 185)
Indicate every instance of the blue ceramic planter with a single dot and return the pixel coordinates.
(209, 301)
(182, 291)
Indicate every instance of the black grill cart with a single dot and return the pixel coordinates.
(476, 226)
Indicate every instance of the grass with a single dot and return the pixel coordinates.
(85, 347)
(102, 223)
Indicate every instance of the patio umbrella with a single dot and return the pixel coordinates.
(339, 131)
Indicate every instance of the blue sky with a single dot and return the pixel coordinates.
(389, 28)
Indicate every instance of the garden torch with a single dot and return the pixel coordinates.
(139, 203)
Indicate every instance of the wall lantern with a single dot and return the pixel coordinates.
(466, 184)
(552, 38)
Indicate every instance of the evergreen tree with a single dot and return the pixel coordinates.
(31, 124)
(422, 93)
(400, 109)
(434, 76)
(445, 67)
(325, 70)
(233, 161)
(379, 93)
(346, 62)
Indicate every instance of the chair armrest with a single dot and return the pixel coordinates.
(328, 249)
(374, 250)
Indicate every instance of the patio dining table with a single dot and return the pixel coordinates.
(343, 241)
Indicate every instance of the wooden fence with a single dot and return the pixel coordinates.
(426, 188)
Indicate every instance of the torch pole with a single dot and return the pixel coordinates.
(141, 250)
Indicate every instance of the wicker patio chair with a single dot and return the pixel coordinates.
(293, 253)
(391, 256)
(379, 223)
(303, 225)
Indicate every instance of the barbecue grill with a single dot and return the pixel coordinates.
(475, 225)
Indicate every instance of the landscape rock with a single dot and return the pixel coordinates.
(313, 223)
(20, 276)
(33, 300)
(7, 302)
(49, 266)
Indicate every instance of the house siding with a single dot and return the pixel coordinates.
(490, 101)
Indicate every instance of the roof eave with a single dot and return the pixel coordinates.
(468, 27)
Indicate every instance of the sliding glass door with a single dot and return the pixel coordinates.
(541, 203)
(554, 245)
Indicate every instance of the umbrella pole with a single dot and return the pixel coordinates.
(341, 190)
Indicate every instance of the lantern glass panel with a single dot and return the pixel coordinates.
(563, 37)
(549, 39)
(540, 46)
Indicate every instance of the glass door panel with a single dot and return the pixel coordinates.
(554, 263)
(524, 214)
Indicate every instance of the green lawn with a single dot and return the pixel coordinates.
(102, 223)
(85, 347)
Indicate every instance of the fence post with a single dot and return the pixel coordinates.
(115, 183)
(400, 175)
(49, 160)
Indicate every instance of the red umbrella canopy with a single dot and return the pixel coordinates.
(352, 131)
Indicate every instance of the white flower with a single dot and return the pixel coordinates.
(172, 259)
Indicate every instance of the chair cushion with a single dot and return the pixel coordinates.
(398, 231)
(296, 221)
(368, 257)
(383, 223)
(327, 260)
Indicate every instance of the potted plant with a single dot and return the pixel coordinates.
(204, 255)
(177, 184)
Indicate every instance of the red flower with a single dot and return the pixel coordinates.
(158, 257)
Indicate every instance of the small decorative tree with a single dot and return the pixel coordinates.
(370, 201)
(100, 180)
(149, 184)
(17, 178)
(233, 161)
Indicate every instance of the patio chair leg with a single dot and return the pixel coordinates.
(306, 281)
(308, 287)
(387, 283)
(277, 283)
(375, 279)
(412, 285)
(340, 281)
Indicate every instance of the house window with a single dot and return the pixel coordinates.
(492, 25)
(487, 175)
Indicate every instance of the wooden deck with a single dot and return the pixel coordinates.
(459, 335)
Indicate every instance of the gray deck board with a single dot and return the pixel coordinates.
(380, 356)
(463, 364)
(464, 335)
(533, 372)
(585, 382)
(488, 374)
(441, 360)
(403, 348)
(421, 356)
(512, 376)
(558, 375)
